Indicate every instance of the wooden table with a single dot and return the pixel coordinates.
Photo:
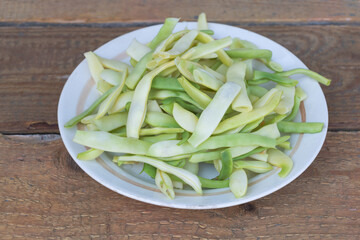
(44, 195)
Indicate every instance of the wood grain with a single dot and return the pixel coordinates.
(36, 62)
(44, 193)
(137, 11)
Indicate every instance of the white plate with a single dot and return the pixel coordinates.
(79, 92)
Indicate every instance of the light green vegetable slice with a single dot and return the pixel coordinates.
(90, 154)
(218, 75)
(238, 183)
(184, 137)
(287, 100)
(110, 100)
(270, 131)
(257, 91)
(95, 65)
(169, 149)
(294, 110)
(166, 83)
(247, 53)
(206, 79)
(164, 32)
(137, 50)
(186, 119)
(164, 94)
(121, 102)
(184, 175)
(207, 48)
(160, 119)
(111, 143)
(266, 98)
(244, 118)
(283, 80)
(153, 106)
(308, 73)
(191, 167)
(138, 105)
(160, 137)
(236, 74)
(115, 65)
(159, 130)
(197, 95)
(251, 126)
(254, 166)
(208, 183)
(226, 165)
(111, 76)
(75, 120)
(164, 183)
(300, 127)
(223, 57)
(140, 68)
(111, 122)
(262, 156)
(213, 113)
(182, 44)
(300, 93)
(202, 23)
(281, 160)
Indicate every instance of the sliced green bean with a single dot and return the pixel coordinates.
(294, 110)
(164, 32)
(202, 22)
(166, 83)
(238, 183)
(257, 91)
(149, 170)
(281, 160)
(197, 95)
(245, 155)
(164, 183)
(164, 94)
(137, 50)
(160, 137)
(75, 120)
(300, 127)
(159, 130)
(308, 73)
(90, 154)
(208, 183)
(111, 122)
(184, 137)
(254, 166)
(226, 165)
(139, 70)
(247, 53)
(159, 119)
(251, 126)
(283, 80)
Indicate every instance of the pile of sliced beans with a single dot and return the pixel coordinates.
(188, 99)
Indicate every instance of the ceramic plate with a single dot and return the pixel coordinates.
(79, 92)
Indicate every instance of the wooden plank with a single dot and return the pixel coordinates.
(44, 194)
(37, 61)
(245, 11)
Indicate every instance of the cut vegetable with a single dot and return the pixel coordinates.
(238, 183)
(186, 119)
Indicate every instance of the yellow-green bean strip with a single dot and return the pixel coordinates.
(207, 31)
(257, 91)
(206, 79)
(186, 119)
(238, 183)
(244, 118)
(245, 155)
(168, 72)
(300, 93)
(283, 80)
(294, 110)
(246, 53)
(159, 130)
(287, 99)
(308, 73)
(208, 183)
(207, 48)
(281, 160)
(137, 109)
(276, 67)
(202, 22)
(111, 122)
(226, 165)
(168, 43)
(285, 145)
(153, 106)
(88, 119)
(197, 95)
(274, 118)
(254, 166)
(282, 139)
(148, 169)
(223, 57)
(262, 156)
(90, 154)
(140, 68)
(114, 64)
(137, 50)
(236, 74)
(166, 83)
(257, 82)
(182, 44)
(163, 94)
(251, 126)
(170, 148)
(184, 137)
(108, 103)
(111, 143)
(168, 108)
(177, 163)
(75, 120)
(237, 139)
(164, 32)
(160, 137)
(184, 175)
(164, 183)
(121, 101)
(111, 76)
(160, 119)
(300, 127)
(218, 75)
(216, 65)
(213, 113)
(95, 65)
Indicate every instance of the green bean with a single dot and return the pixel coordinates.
(149, 170)
(274, 118)
(160, 137)
(164, 94)
(207, 31)
(159, 130)
(197, 95)
(202, 22)
(285, 145)
(90, 154)
(294, 110)
(251, 126)
(257, 91)
(226, 165)
(238, 183)
(308, 73)
(208, 183)
(164, 32)
(247, 53)
(140, 68)
(137, 50)
(254, 166)
(256, 150)
(75, 120)
(300, 127)
(166, 83)
(281, 160)
(184, 137)
(111, 122)
(160, 119)
(283, 80)
(207, 48)
(282, 139)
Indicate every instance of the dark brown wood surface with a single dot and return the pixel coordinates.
(44, 195)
